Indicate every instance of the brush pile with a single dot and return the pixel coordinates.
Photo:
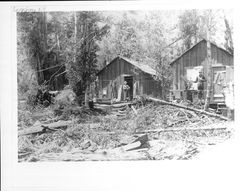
(171, 133)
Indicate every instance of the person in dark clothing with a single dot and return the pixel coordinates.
(200, 86)
(126, 89)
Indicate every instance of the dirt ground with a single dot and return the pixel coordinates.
(106, 133)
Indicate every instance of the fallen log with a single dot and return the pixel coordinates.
(121, 105)
(189, 108)
(43, 128)
(179, 129)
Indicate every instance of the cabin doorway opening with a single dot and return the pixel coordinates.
(129, 80)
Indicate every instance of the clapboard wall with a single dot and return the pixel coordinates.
(195, 56)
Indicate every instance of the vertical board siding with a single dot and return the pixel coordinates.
(115, 71)
(187, 59)
(195, 57)
(181, 73)
(219, 56)
(214, 53)
(204, 45)
(178, 73)
(174, 76)
(198, 54)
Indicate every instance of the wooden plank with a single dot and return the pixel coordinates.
(122, 66)
(203, 51)
(42, 128)
(185, 61)
(178, 73)
(181, 74)
(118, 67)
(189, 59)
(112, 75)
(198, 52)
(193, 59)
(231, 60)
(201, 54)
(222, 57)
(131, 146)
(213, 51)
(219, 56)
(196, 55)
(136, 144)
(175, 76)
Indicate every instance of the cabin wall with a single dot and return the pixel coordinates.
(221, 56)
(150, 86)
(116, 71)
(195, 57)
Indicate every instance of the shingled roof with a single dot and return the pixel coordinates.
(145, 68)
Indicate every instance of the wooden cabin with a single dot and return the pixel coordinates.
(139, 77)
(187, 66)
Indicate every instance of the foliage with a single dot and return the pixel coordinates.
(81, 62)
(228, 37)
(189, 29)
(54, 45)
(143, 37)
(49, 47)
(195, 25)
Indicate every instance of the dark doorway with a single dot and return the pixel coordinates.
(129, 80)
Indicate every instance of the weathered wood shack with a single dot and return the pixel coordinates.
(139, 77)
(188, 65)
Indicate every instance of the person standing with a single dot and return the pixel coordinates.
(126, 89)
(200, 86)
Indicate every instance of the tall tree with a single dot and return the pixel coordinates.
(82, 62)
(194, 26)
(31, 43)
(228, 37)
(189, 27)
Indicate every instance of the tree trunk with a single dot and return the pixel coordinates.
(41, 57)
(209, 76)
(86, 99)
(40, 76)
(209, 68)
(75, 36)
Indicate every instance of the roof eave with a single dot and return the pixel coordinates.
(196, 45)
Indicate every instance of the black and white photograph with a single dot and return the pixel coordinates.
(124, 95)
(124, 85)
